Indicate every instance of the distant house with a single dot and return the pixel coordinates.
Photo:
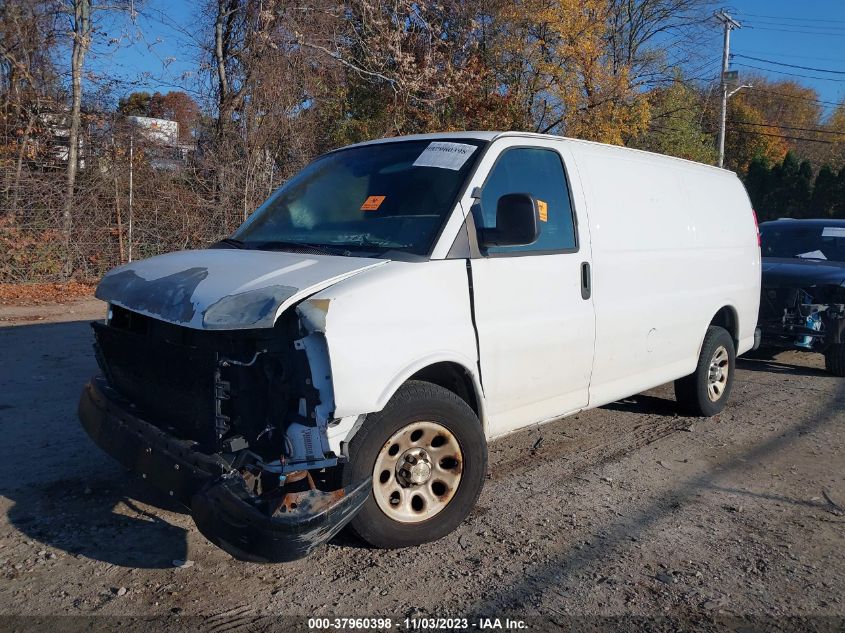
(160, 131)
(57, 126)
(158, 138)
(163, 148)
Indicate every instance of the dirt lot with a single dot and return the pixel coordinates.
(627, 511)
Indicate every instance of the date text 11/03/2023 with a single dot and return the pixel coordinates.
(416, 624)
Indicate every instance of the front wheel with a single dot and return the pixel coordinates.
(427, 455)
(705, 392)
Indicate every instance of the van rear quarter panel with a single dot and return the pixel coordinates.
(673, 242)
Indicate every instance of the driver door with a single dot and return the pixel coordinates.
(533, 309)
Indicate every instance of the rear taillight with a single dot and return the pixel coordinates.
(757, 227)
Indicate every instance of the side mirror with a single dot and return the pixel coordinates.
(516, 222)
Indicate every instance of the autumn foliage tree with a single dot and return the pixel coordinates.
(677, 124)
(553, 55)
(750, 139)
(277, 83)
(834, 152)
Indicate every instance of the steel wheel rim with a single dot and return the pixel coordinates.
(417, 472)
(717, 374)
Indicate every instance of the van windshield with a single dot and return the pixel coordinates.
(365, 200)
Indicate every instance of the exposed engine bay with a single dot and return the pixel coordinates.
(248, 395)
(810, 318)
(242, 413)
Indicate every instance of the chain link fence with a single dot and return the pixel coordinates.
(133, 199)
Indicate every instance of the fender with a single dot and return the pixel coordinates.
(382, 329)
(465, 363)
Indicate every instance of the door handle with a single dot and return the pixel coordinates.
(586, 285)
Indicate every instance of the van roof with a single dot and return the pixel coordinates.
(799, 222)
(493, 135)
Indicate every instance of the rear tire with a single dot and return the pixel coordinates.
(834, 359)
(705, 392)
(436, 429)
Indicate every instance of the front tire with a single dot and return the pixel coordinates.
(427, 455)
(834, 359)
(705, 392)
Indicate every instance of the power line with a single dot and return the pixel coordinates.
(809, 27)
(816, 130)
(783, 136)
(769, 61)
(768, 28)
(784, 17)
(786, 95)
(787, 127)
(758, 132)
(704, 71)
(660, 128)
(781, 72)
(790, 55)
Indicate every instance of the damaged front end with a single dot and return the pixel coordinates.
(232, 423)
(806, 318)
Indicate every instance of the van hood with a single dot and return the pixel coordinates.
(224, 289)
(801, 273)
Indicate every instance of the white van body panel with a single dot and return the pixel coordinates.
(673, 243)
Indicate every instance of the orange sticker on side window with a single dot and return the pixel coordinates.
(372, 203)
(543, 210)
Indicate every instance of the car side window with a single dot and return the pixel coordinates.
(538, 172)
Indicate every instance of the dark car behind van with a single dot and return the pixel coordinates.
(803, 292)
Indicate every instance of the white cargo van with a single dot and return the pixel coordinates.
(348, 353)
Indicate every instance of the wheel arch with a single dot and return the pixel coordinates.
(454, 377)
(448, 373)
(727, 317)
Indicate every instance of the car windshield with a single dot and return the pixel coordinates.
(805, 242)
(365, 200)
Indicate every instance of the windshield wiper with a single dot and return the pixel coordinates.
(228, 241)
(365, 242)
(302, 246)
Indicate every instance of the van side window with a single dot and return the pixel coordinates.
(538, 172)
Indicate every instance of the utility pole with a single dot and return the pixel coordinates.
(131, 187)
(729, 24)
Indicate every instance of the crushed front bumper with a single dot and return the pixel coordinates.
(222, 506)
(791, 329)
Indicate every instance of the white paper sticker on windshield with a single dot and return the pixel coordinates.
(445, 155)
(833, 231)
(812, 255)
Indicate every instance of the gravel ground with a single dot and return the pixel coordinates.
(624, 514)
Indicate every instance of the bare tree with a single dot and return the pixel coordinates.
(81, 33)
(27, 77)
(652, 38)
(81, 16)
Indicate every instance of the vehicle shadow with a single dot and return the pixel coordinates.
(65, 492)
(818, 504)
(774, 366)
(568, 566)
(106, 521)
(646, 404)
